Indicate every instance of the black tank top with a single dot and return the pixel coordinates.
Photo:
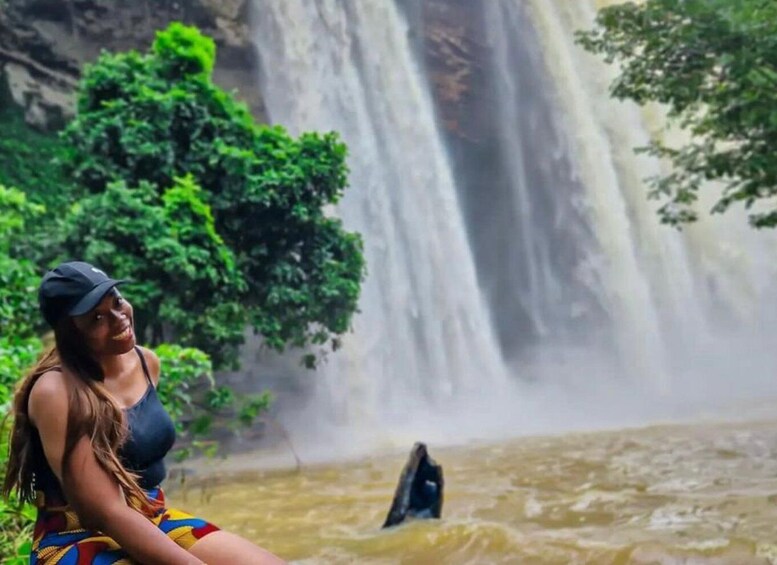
(151, 436)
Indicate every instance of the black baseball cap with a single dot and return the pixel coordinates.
(72, 289)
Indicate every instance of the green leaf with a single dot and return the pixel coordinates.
(713, 64)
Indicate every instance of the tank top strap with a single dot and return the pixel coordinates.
(144, 364)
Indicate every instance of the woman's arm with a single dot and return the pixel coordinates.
(98, 501)
(90, 489)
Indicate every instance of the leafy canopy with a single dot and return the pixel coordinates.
(250, 230)
(181, 271)
(713, 63)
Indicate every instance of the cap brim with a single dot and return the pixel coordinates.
(93, 297)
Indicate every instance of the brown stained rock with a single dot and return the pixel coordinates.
(454, 49)
(453, 70)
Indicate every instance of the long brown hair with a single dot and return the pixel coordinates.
(92, 412)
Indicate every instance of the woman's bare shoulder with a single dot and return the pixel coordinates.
(48, 408)
(49, 396)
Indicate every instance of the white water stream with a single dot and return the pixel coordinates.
(423, 336)
(691, 307)
(686, 317)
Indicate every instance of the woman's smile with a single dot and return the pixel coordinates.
(126, 333)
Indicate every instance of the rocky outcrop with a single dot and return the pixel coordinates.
(458, 52)
(454, 48)
(419, 492)
(45, 43)
(46, 98)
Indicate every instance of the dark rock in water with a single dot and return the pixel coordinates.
(419, 493)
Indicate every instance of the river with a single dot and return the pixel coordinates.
(666, 494)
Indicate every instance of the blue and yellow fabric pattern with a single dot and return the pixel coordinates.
(60, 539)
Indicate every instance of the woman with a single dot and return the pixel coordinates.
(90, 436)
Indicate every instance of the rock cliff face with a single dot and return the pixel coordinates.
(457, 49)
(454, 46)
(45, 43)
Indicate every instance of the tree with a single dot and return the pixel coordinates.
(184, 248)
(182, 273)
(147, 120)
(197, 405)
(713, 63)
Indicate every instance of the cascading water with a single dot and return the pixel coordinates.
(423, 334)
(593, 200)
(530, 251)
(674, 300)
(604, 317)
(580, 277)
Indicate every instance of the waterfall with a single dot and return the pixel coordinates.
(538, 256)
(593, 196)
(603, 314)
(681, 305)
(423, 334)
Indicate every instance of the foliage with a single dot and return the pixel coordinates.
(182, 273)
(15, 212)
(16, 355)
(183, 368)
(182, 51)
(16, 524)
(19, 347)
(197, 405)
(18, 277)
(148, 119)
(30, 160)
(16, 519)
(218, 221)
(714, 64)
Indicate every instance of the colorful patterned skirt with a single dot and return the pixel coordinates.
(59, 538)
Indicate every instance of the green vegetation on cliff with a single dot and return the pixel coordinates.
(19, 346)
(30, 159)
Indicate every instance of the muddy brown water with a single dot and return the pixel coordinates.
(657, 495)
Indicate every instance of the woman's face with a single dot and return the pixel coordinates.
(108, 328)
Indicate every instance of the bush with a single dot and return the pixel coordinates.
(149, 120)
(713, 64)
(197, 405)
